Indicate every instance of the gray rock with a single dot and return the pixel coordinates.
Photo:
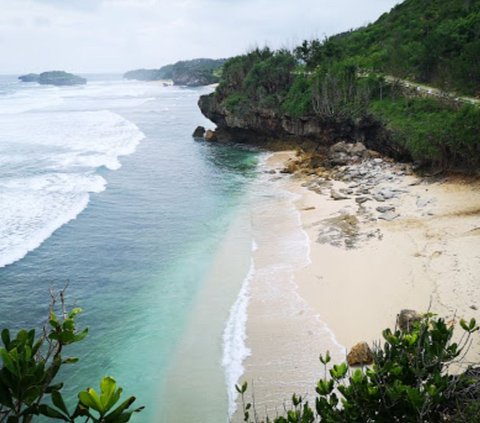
(199, 132)
(361, 200)
(336, 196)
(343, 153)
(387, 193)
(389, 216)
(385, 209)
(423, 202)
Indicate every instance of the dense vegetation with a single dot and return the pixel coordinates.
(409, 382)
(186, 72)
(431, 41)
(30, 364)
(353, 75)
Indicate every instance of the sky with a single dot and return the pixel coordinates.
(88, 36)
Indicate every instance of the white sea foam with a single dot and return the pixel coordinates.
(235, 350)
(24, 101)
(49, 161)
(33, 208)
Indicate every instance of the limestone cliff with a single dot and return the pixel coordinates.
(261, 126)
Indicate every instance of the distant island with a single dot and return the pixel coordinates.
(59, 78)
(190, 73)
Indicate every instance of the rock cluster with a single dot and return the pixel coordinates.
(207, 135)
(343, 153)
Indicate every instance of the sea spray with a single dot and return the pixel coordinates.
(235, 350)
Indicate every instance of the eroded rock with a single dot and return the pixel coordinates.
(199, 132)
(210, 135)
(360, 355)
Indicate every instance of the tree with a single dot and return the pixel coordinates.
(408, 382)
(30, 363)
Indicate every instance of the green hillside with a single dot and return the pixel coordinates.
(362, 74)
(431, 41)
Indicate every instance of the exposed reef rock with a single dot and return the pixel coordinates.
(199, 132)
(260, 126)
(59, 78)
(210, 135)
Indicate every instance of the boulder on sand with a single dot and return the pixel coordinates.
(360, 355)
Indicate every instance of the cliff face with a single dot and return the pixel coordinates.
(260, 126)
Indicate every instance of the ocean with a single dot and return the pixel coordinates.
(103, 189)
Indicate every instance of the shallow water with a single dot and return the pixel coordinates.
(103, 187)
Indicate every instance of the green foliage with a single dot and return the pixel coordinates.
(30, 364)
(341, 78)
(434, 41)
(262, 76)
(298, 101)
(408, 382)
(235, 102)
(433, 132)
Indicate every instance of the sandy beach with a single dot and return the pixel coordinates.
(380, 239)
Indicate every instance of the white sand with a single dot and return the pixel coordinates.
(428, 257)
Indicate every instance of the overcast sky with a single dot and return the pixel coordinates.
(118, 35)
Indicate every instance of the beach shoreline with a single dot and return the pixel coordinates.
(368, 259)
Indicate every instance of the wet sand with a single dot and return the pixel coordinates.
(362, 266)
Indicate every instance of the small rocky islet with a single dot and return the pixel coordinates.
(58, 78)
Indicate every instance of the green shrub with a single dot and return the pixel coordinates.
(432, 132)
(235, 101)
(298, 101)
(30, 364)
(409, 381)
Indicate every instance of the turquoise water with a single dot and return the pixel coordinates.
(136, 258)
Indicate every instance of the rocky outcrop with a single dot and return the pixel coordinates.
(210, 135)
(29, 77)
(59, 78)
(199, 132)
(248, 123)
(360, 355)
(343, 153)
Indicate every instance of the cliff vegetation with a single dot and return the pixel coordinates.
(193, 73)
(367, 85)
